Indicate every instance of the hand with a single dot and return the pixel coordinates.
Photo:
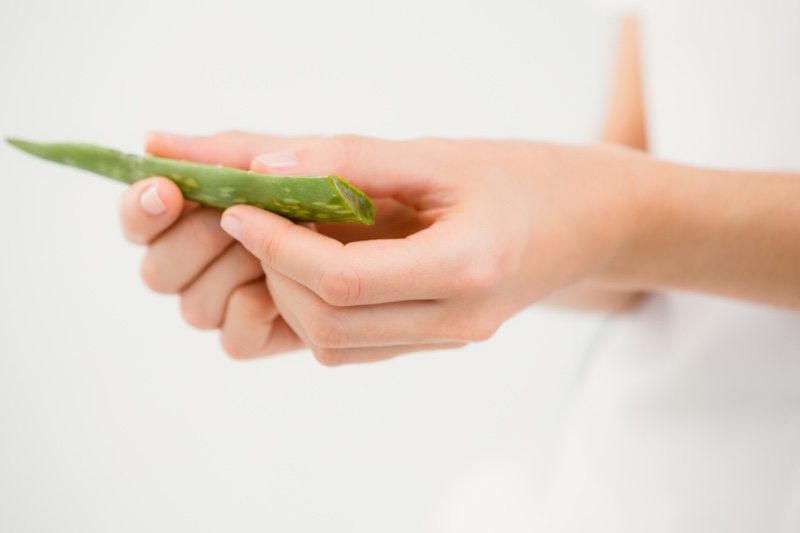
(486, 229)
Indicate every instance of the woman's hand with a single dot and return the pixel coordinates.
(476, 231)
(467, 234)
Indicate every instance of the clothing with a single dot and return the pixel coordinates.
(687, 418)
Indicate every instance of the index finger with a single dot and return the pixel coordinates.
(430, 264)
(230, 149)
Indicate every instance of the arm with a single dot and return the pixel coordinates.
(508, 224)
(734, 234)
(474, 232)
(625, 119)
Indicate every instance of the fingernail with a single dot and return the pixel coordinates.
(277, 160)
(151, 201)
(232, 226)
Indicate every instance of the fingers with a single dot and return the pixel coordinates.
(182, 252)
(252, 326)
(356, 335)
(410, 322)
(231, 149)
(204, 301)
(149, 207)
(435, 263)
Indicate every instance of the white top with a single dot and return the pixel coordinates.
(688, 416)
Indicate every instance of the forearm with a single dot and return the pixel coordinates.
(735, 234)
(729, 233)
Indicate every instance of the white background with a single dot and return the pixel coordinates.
(115, 416)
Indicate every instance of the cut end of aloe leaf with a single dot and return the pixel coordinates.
(359, 203)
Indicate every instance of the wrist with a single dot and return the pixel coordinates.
(650, 190)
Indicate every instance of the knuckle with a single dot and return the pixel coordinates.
(346, 143)
(481, 330)
(325, 331)
(478, 274)
(153, 276)
(269, 248)
(244, 302)
(340, 287)
(133, 236)
(236, 349)
(204, 229)
(197, 314)
(473, 328)
(329, 356)
(244, 330)
(479, 277)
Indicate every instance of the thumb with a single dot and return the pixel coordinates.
(378, 167)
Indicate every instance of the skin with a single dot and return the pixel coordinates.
(455, 251)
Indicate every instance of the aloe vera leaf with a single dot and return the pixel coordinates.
(299, 198)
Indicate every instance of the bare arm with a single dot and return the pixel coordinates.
(729, 233)
(604, 217)
(625, 119)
